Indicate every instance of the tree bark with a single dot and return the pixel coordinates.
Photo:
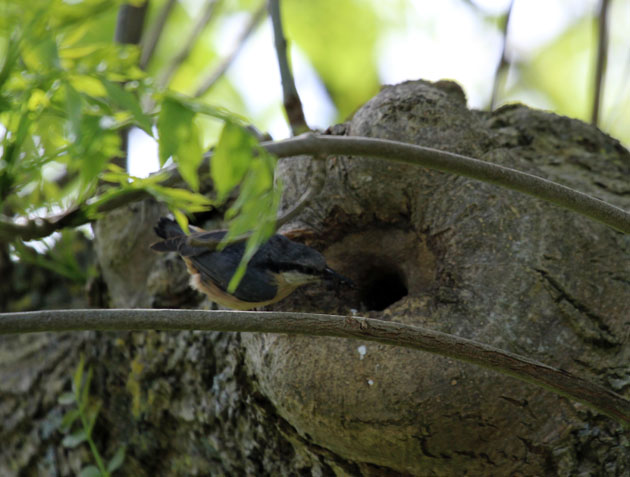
(423, 247)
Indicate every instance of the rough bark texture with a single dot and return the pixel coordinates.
(423, 247)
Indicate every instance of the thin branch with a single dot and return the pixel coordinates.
(502, 66)
(220, 70)
(291, 98)
(556, 380)
(185, 51)
(602, 54)
(129, 23)
(150, 41)
(314, 144)
(544, 189)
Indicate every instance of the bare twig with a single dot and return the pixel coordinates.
(544, 189)
(556, 380)
(602, 54)
(502, 66)
(150, 41)
(184, 52)
(220, 70)
(314, 144)
(291, 98)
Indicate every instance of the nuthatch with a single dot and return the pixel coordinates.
(274, 272)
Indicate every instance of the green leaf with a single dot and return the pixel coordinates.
(115, 174)
(180, 198)
(181, 219)
(10, 56)
(41, 53)
(109, 195)
(97, 147)
(231, 159)
(90, 471)
(260, 235)
(127, 101)
(172, 116)
(88, 85)
(92, 414)
(255, 210)
(74, 110)
(179, 138)
(85, 390)
(117, 460)
(68, 419)
(66, 398)
(212, 111)
(257, 182)
(74, 439)
(78, 377)
(59, 258)
(257, 216)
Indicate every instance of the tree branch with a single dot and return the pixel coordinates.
(149, 43)
(602, 54)
(556, 380)
(499, 74)
(544, 189)
(129, 23)
(291, 98)
(220, 70)
(314, 144)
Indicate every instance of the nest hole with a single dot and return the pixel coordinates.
(381, 285)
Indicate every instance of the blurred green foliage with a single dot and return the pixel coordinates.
(562, 70)
(85, 411)
(61, 104)
(68, 95)
(340, 40)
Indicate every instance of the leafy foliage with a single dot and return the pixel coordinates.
(60, 105)
(68, 96)
(85, 413)
(256, 206)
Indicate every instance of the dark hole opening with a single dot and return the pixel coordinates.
(382, 285)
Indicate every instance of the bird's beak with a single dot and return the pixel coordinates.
(332, 276)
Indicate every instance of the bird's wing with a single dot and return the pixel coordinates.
(219, 267)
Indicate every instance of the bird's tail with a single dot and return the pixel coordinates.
(172, 234)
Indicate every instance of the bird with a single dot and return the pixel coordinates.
(278, 267)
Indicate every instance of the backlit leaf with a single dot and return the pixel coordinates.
(179, 138)
(68, 419)
(117, 460)
(231, 159)
(90, 471)
(88, 85)
(74, 439)
(127, 101)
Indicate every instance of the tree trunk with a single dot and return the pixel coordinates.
(423, 247)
